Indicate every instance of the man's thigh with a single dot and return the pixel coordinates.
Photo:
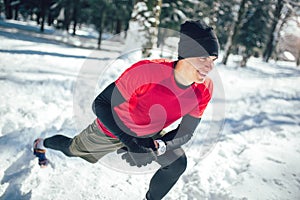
(91, 144)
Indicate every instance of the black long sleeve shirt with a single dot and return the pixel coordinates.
(110, 97)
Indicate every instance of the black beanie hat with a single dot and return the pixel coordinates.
(197, 39)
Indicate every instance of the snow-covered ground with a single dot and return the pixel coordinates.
(257, 156)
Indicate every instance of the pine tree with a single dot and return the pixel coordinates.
(97, 13)
(252, 36)
(225, 14)
(8, 9)
(44, 9)
(173, 13)
(233, 33)
(118, 15)
(273, 32)
(146, 18)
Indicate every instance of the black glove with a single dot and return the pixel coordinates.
(138, 152)
(182, 134)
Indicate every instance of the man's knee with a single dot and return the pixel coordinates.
(177, 167)
(180, 164)
(174, 161)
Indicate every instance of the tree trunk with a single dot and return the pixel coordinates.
(270, 44)
(298, 59)
(100, 29)
(42, 23)
(99, 39)
(118, 26)
(276, 46)
(8, 9)
(74, 27)
(67, 18)
(245, 59)
(75, 12)
(16, 12)
(43, 6)
(38, 17)
(234, 33)
(126, 28)
(50, 18)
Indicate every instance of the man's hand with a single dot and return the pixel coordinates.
(139, 152)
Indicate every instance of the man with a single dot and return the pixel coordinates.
(148, 97)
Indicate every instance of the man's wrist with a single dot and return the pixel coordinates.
(162, 147)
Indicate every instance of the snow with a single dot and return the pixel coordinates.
(289, 55)
(257, 155)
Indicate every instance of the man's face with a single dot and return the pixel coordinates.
(200, 67)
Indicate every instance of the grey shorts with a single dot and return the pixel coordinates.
(92, 144)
